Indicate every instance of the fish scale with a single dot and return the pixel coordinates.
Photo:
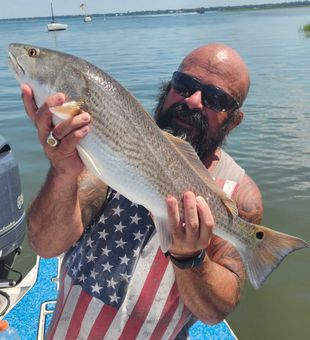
(127, 151)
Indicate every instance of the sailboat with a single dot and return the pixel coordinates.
(55, 26)
(87, 18)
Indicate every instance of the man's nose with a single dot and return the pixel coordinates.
(194, 101)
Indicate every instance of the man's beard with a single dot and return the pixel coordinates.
(197, 132)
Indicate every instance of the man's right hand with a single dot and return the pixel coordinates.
(64, 157)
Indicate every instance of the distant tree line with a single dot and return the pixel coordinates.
(218, 8)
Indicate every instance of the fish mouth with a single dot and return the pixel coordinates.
(15, 66)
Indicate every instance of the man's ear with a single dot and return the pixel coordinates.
(237, 119)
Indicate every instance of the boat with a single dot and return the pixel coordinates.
(87, 18)
(55, 26)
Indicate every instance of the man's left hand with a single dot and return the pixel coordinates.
(194, 231)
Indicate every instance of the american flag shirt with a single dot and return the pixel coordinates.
(115, 282)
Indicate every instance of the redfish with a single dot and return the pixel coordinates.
(128, 152)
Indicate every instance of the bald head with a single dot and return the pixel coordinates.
(219, 65)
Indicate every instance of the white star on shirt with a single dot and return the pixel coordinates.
(91, 258)
(107, 267)
(96, 288)
(74, 271)
(105, 251)
(114, 298)
(103, 234)
(119, 227)
(103, 218)
(93, 274)
(135, 219)
(117, 211)
(89, 242)
(134, 205)
(111, 283)
(125, 276)
(136, 252)
(138, 235)
(82, 278)
(116, 195)
(120, 243)
(124, 259)
(80, 265)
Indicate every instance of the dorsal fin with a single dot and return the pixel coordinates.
(189, 154)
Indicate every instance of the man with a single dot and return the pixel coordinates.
(115, 281)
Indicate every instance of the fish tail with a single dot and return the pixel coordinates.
(269, 250)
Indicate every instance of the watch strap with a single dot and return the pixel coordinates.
(187, 262)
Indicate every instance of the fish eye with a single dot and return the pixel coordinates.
(33, 52)
(260, 235)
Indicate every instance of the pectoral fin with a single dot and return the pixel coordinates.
(65, 111)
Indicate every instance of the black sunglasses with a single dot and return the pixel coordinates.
(212, 96)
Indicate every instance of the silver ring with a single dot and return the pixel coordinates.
(52, 141)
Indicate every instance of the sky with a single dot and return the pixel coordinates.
(38, 8)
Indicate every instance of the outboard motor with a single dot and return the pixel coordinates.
(12, 212)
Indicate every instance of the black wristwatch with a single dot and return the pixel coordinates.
(189, 262)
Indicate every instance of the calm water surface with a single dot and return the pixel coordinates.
(272, 144)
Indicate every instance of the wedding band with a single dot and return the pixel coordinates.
(52, 141)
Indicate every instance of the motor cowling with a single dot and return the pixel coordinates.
(12, 212)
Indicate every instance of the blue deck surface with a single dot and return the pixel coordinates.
(25, 315)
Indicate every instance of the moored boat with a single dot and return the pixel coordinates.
(55, 26)
(87, 18)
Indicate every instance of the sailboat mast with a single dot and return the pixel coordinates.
(53, 20)
(55, 26)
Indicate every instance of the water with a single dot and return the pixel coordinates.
(271, 143)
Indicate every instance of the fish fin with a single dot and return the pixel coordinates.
(190, 155)
(163, 233)
(270, 249)
(65, 111)
(89, 162)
